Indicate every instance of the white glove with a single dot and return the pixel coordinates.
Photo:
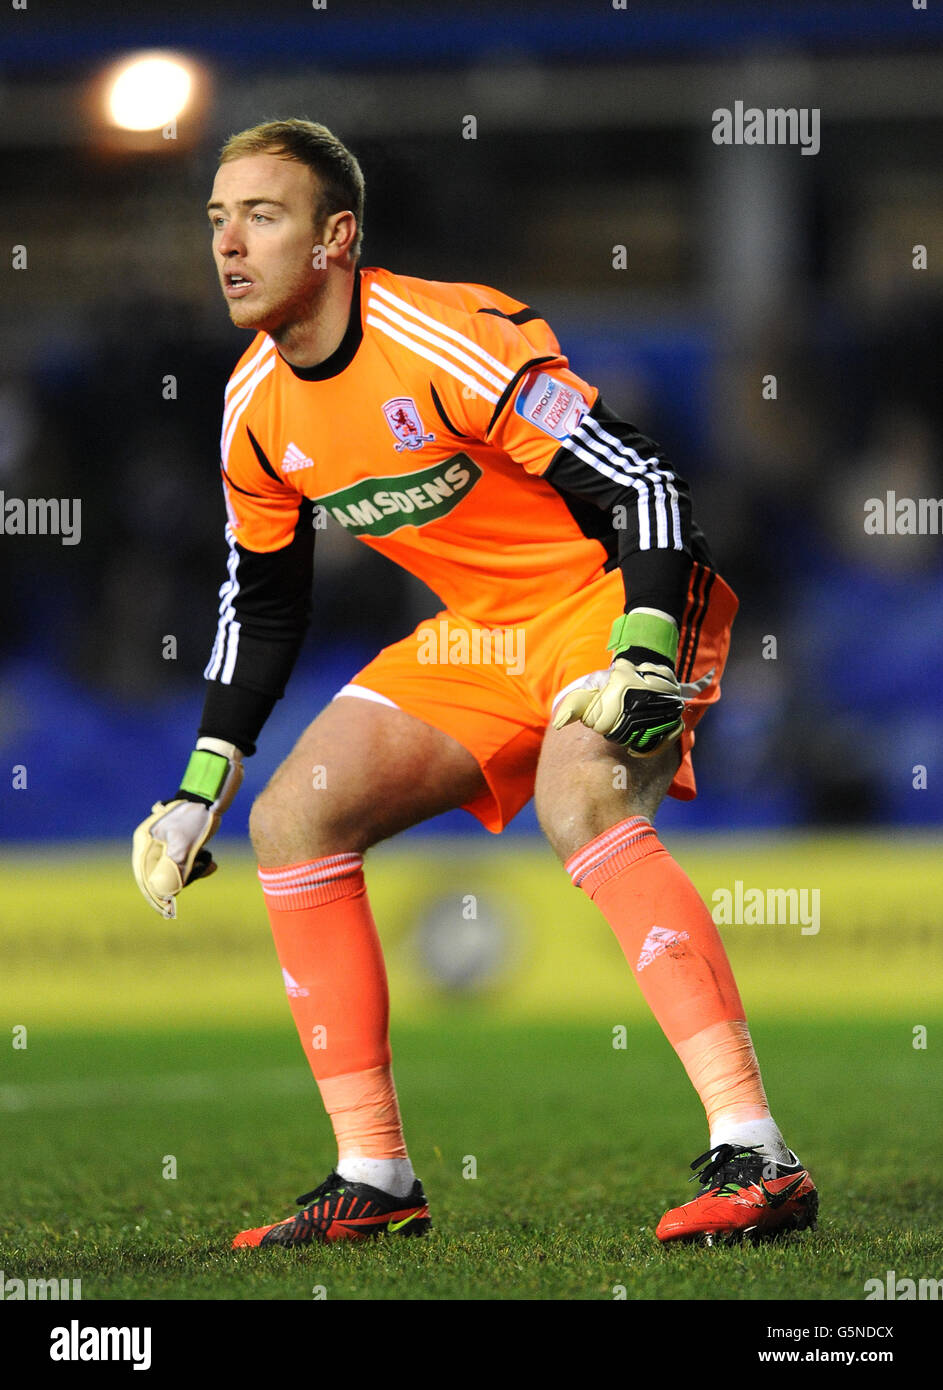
(167, 850)
(639, 707)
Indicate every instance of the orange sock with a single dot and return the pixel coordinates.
(674, 948)
(335, 976)
(723, 1069)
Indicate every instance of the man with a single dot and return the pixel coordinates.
(441, 424)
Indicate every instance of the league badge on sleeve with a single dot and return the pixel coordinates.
(551, 405)
(403, 418)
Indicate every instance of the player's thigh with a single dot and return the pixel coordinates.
(360, 772)
(585, 784)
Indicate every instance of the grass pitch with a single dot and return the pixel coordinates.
(576, 1149)
(162, 1102)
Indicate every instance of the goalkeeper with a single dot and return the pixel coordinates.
(442, 425)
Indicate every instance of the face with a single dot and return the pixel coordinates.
(264, 234)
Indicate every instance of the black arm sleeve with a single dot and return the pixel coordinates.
(264, 612)
(648, 529)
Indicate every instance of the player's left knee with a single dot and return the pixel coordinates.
(564, 829)
(572, 819)
(578, 798)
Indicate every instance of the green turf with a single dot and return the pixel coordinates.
(579, 1147)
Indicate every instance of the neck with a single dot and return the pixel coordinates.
(309, 342)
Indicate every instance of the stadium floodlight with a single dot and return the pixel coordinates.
(148, 91)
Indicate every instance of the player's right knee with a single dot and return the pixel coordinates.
(265, 831)
(284, 832)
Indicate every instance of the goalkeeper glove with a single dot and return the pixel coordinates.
(167, 851)
(640, 705)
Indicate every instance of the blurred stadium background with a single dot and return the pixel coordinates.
(594, 129)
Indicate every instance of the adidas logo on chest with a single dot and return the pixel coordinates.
(295, 459)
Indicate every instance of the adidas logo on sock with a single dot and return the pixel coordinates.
(657, 943)
(292, 987)
(295, 459)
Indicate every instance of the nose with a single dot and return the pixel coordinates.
(230, 241)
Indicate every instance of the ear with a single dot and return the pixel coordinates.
(339, 234)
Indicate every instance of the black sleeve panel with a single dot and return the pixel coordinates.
(610, 463)
(264, 612)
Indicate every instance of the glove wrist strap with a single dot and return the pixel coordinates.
(205, 774)
(645, 627)
(219, 745)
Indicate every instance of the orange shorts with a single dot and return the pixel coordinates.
(494, 690)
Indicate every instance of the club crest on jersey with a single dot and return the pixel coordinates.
(403, 418)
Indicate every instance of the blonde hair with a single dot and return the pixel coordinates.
(339, 176)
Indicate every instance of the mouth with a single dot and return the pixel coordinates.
(236, 285)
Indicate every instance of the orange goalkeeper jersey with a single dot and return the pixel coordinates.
(448, 432)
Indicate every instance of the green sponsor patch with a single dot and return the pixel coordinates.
(380, 506)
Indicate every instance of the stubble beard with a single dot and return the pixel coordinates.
(283, 318)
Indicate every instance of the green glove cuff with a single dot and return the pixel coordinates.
(639, 629)
(206, 772)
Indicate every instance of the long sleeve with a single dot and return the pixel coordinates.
(608, 462)
(264, 613)
(618, 484)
